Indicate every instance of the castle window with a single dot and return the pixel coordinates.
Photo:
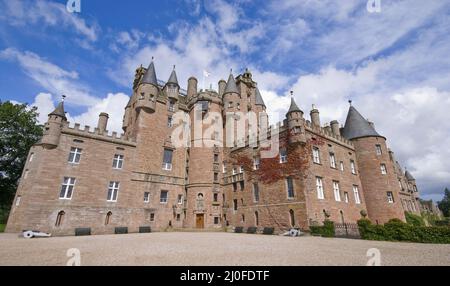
(118, 161)
(235, 205)
(242, 218)
(59, 218)
(167, 159)
(224, 168)
(337, 192)
(31, 157)
(356, 193)
(178, 217)
(256, 218)
(378, 149)
(180, 199)
(169, 121)
(352, 167)
(390, 197)
(292, 217)
(146, 197)
(113, 191)
(216, 158)
(383, 169)
(108, 218)
(319, 187)
(256, 163)
(346, 197)
(67, 188)
(241, 169)
(290, 187)
(152, 217)
(234, 171)
(238, 106)
(234, 187)
(18, 199)
(316, 155)
(75, 155)
(216, 220)
(341, 164)
(230, 104)
(216, 177)
(164, 197)
(297, 129)
(171, 105)
(332, 161)
(256, 192)
(241, 184)
(283, 156)
(215, 197)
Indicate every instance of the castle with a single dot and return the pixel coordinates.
(79, 178)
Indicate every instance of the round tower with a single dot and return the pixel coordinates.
(376, 170)
(315, 117)
(172, 87)
(52, 130)
(203, 192)
(295, 123)
(147, 91)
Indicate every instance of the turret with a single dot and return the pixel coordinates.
(148, 90)
(126, 116)
(52, 131)
(378, 177)
(102, 122)
(295, 122)
(231, 95)
(315, 118)
(172, 87)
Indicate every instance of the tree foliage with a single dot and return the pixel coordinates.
(444, 205)
(19, 130)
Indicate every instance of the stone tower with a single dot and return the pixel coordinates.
(376, 170)
(296, 123)
(52, 131)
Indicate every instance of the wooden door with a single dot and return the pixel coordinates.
(200, 223)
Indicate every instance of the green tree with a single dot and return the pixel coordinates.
(444, 205)
(19, 130)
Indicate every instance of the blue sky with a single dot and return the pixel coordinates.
(394, 64)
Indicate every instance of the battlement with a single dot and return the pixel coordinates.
(328, 134)
(94, 133)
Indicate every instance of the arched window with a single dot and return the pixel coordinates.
(292, 217)
(108, 218)
(243, 218)
(256, 219)
(60, 218)
(342, 216)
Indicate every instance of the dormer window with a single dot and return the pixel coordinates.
(171, 106)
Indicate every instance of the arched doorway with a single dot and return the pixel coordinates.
(60, 218)
(108, 218)
(256, 219)
(292, 218)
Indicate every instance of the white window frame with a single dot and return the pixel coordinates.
(180, 199)
(390, 197)
(287, 188)
(224, 168)
(283, 156)
(171, 106)
(378, 150)
(332, 161)
(113, 191)
(256, 163)
(234, 171)
(75, 152)
(356, 194)
(146, 197)
(341, 165)
(166, 200)
(316, 155)
(319, 188)
(241, 169)
(353, 167)
(336, 191)
(68, 184)
(169, 121)
(167, 166)
(346, 197)
(383, 169)
(118, 161)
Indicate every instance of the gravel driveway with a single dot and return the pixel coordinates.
(214, 248)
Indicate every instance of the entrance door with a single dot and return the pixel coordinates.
(200, 221)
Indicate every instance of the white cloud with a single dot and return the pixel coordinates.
(46, 13)
(51, 77)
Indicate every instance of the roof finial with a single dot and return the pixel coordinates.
(231, 71)
(173, 67)
(292, 94)
(63, 97)
(350, 102)
(313, 106)
(153, 58)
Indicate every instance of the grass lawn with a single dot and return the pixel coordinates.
(2, 227)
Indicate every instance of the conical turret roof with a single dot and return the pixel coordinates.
(59, 110)
(231, 85)
(409, 176)
(293, 107)
(173, 78)
(258, 98)
(150, 75)
(356, 126)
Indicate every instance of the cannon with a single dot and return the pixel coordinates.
(34, 233)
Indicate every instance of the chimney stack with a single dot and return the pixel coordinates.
(315, 118)
(102, 122)
(222, 84)
(335, 127)
(192, 87)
